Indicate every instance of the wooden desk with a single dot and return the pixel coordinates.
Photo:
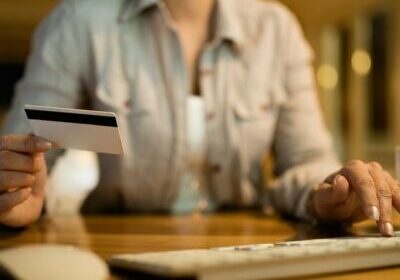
(108, 235)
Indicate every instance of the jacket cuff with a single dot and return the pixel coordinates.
(302, 206)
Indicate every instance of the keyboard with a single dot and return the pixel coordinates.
(268, 261)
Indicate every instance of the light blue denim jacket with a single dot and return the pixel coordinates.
(256, 78)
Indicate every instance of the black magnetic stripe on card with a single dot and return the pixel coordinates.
(71, 118)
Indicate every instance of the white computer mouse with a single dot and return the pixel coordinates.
(42, 262)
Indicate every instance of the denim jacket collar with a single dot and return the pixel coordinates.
(228, 24)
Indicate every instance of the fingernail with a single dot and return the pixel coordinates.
(388, 228)
(374, 213)
(42, 144)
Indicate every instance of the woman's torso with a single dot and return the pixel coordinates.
(140, 73)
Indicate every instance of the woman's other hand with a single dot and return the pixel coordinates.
(356, 192)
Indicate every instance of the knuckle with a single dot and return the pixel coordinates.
(12, 199)
(24, 179)
(4, 182)
(348, 169)
(36, 164)
(365, 182)
(28, 143)
(355, 162)
(375, 165)
(384, 193)
(5, 141)
(6, 203)
(17, 196)
(30, 179)
(4, 158)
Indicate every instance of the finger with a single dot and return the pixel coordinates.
(395, 189)
(357, 173)
(39, 162)
(341, 189)
(13, 180)
(331, 177)
(24, 144)
(396, 195)
(11, 199)
(335, 193)
(347, 211)
(384, 194)
(336, 202)
(13, 161)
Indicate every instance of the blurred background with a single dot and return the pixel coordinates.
(357, 64)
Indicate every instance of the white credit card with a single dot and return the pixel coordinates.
(77, 129)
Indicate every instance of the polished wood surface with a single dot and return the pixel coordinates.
(108, 235)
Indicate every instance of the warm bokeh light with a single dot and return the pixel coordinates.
(327, 76)
(361, 62)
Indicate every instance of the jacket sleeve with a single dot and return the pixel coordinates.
(54, 71)
(302, 146)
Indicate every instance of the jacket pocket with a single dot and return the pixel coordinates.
(255, 121)
(115, 100)
(256, 106)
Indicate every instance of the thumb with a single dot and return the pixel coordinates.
(341, 189)
(335, 193)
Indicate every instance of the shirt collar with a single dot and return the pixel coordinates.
(132, 8)
(228, 26)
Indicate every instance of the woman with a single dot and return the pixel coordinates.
(250, 68)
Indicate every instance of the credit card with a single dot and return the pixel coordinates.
(88, 130)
